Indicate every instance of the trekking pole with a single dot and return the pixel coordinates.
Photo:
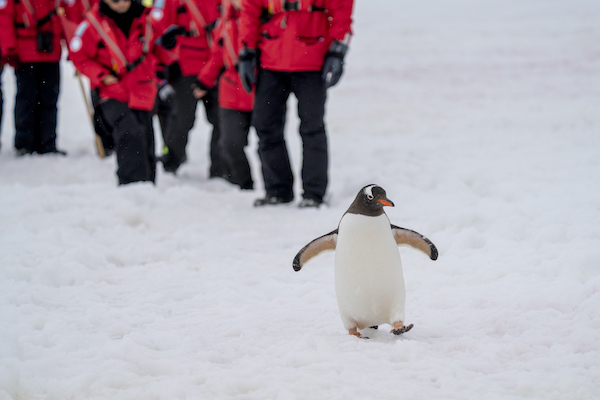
(68, 29)
(90, 110)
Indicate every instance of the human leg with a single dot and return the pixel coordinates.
(48, 85)
(311, 94)
(235, 126)
(134, 143)
(272, 92)
(218, 164)
(145, 120)
(25, 101)
(179, 122)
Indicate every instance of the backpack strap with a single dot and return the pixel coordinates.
(145, 46)
(118, 59)
(228, 44)
(30, 17)
(198, 19)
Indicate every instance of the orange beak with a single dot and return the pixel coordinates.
(386, 202)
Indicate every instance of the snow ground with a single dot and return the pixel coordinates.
(481, 121)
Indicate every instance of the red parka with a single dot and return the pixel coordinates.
(198, 17)
(76, 9)
(91, 56)
(20, 22)
(294, 40)
(224, 55)
(7, 31)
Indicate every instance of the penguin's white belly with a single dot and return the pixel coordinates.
(368, 272)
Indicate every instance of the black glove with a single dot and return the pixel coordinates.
(246, 68)
(169, 39)
(173, 72)
(333, 67)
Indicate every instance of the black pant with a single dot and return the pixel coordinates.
(235, 126)
(133, 136)
(181, 119)
(272, 92)
(1, 100)
(35, 106)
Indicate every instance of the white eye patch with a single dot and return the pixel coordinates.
(368, 191)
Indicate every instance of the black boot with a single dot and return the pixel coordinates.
(169, 161)
(271, 201)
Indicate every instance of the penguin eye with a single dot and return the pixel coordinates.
(370, 196)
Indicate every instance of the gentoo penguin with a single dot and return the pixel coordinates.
(369, 283)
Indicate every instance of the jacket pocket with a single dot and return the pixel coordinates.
(312, 27)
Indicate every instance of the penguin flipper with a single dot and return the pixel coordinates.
(415, 240)
(314, 248)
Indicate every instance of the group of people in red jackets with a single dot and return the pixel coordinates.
(241, 58)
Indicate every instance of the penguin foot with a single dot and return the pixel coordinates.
(355, 332)
(399, 328)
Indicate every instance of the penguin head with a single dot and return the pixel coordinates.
(370, 200)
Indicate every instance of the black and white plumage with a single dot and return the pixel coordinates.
(369, 281)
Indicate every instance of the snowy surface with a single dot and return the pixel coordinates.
(481, 119)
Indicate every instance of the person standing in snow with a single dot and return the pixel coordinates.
(302, 45)
(235, 105)
(194, 20)
(31, 41)
(115, 48)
